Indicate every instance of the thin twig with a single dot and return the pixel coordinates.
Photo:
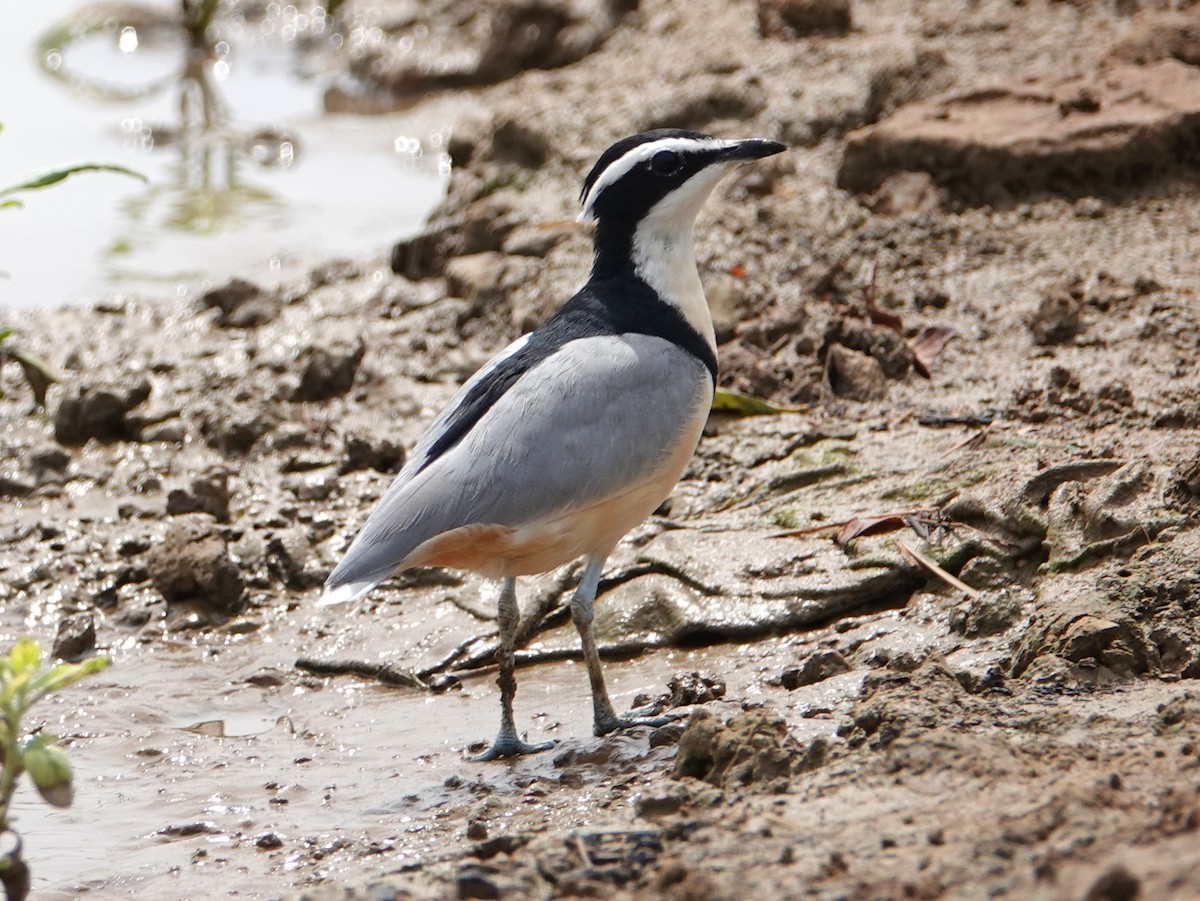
(383, 674)
(919, 559)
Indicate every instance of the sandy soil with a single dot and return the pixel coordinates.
(853, 726)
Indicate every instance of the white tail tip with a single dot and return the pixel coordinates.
(343, 594)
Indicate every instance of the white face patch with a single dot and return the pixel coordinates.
(639, 154)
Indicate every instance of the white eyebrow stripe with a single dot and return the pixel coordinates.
(642, 152)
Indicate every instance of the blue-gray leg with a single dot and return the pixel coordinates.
(507, 744)
(606, 720)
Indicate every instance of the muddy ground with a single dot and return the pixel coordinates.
(854, 726)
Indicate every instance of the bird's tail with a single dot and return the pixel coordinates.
(337, 592)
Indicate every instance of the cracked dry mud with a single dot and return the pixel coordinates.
(854, 726)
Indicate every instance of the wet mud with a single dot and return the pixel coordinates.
(929, 633)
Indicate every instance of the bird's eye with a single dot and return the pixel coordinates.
(665, 162)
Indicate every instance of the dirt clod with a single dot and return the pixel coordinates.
(96, 410)
(752, 748)
(207, 493)
(192, 563)
(1034, 135)
(1115, 884)
(855, 375)
(795, 18)
(817, 667)
(76, 636)
(328, 371)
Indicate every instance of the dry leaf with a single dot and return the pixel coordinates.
(928, 344)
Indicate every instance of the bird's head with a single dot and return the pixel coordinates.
(662, 175)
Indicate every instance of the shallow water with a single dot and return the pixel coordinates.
(275, 179)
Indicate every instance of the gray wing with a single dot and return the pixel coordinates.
(598, 415)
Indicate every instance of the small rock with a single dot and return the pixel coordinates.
(536, 240)
(796, 18)
(16, 485)
(76, 636)
(753, 747)
(990, 613)
(242, 304)
(1058, 317)
(1115, 884)
(988, 572)
(906, 193)
(193, 563)
(854, 375)
(206, 494)
(662, 800)
(328, 372)
(475, 881)
(288, 552)
(49, 458)
(694, 688)
(519, 143)
(477, 829)
(268, 841)
(98, 411)
(818, 667)
(477, 278)
(234, 428)
(370, 452)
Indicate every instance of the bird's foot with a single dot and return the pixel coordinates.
(606, 724)
(508, 745)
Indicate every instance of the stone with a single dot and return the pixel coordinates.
(797, 18)
(854, 375)
(371, 452)
(478, 278)
(207, 493)
(76, 636)
(496, 42)
(241, 304)
(192, 563)
(1058, 317)
(1076, 135)
(817, 667)
(328, 371)
(752, 747)
(95, 410)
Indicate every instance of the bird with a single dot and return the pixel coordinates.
(578, 430)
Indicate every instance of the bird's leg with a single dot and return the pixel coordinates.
(507, 744)
(606, 720)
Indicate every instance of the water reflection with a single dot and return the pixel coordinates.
(245, 162)
(209, 188)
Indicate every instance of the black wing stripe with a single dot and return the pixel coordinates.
(617, 306)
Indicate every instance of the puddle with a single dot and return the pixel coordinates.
(246, 171)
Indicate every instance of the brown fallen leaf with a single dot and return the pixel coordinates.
(920, 521)
(927, 345)
(870, 525)
(876, 315)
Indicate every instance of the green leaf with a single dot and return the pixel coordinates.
(69, 673)
(738, 404)
(50, 770)
(37, 372)
(6, 333)
(26, 655)
(56, 175)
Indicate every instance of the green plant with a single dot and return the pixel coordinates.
(53, 176)
(25, 680)
(37, 374)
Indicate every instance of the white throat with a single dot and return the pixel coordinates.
(664, 255)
